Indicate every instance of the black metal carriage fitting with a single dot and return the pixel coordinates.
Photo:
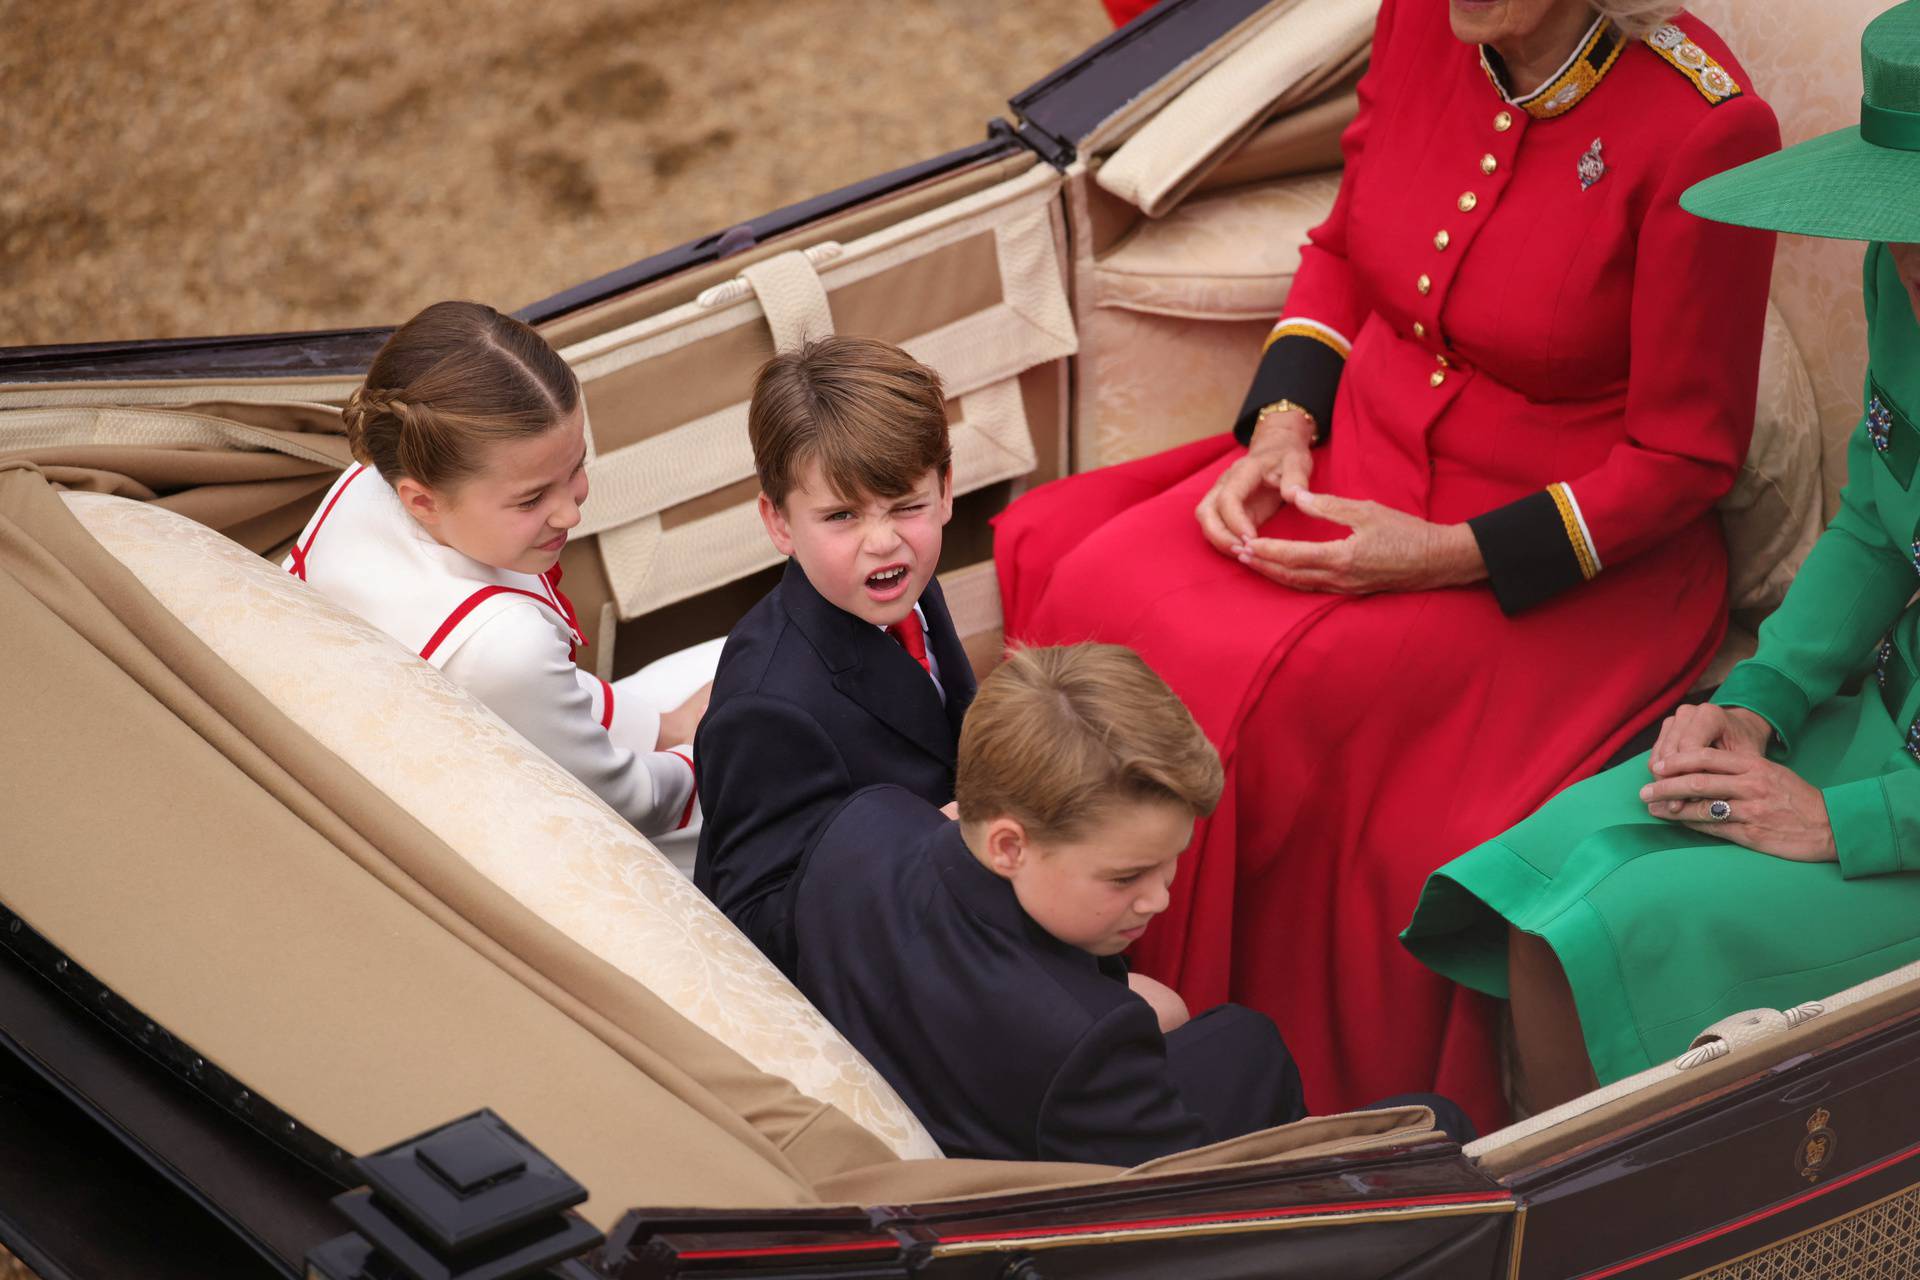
(470, 1200)
(178, 1057)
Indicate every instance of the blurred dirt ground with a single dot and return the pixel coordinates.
(259, 165)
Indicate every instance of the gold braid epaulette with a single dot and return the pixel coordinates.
(1695, 63)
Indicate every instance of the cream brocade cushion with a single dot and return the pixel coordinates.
(519, 818)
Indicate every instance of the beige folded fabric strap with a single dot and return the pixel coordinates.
(790, 292)
(1744, 1028)
(23, 430)
(1288, 64)
(650, 566)
(178, 392)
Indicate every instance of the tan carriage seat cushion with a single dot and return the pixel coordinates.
(521, 820)
(1226, 255)
(1231, 256)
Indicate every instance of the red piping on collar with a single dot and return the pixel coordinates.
(298, 553)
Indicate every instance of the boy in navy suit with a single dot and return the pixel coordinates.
(848, 673)
(977, 963)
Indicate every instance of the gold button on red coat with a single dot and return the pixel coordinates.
(1419, 330)
(1437, 377)
(1488, 164)
(1503, 122)
(1441, 240)
(1467, 201)
(1424, 284)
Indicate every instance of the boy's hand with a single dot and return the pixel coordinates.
(677, 725)
(1167, 1005)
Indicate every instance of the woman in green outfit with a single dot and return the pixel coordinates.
(1760, 854)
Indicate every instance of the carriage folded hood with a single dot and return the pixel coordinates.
(282, 922)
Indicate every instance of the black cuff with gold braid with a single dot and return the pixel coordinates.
(1534, 548)
(1301, 367)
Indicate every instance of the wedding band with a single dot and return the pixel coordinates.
(1719, 811)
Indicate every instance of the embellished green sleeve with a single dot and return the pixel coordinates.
(1857, 579)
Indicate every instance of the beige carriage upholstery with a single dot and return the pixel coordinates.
(519, 818)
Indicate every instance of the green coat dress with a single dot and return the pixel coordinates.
(1663, 930)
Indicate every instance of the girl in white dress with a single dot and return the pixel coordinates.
(470, 437)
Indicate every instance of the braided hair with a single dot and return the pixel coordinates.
(452, 380)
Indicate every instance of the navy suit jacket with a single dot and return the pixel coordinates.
(1005, 1041)
(809, 705)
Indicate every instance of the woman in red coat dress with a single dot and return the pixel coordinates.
(1460, 545)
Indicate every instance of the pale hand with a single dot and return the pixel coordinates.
(1166, 1003)
(1387, 550)
(952, 810)
(677, 725)
(1692, 727)
(1278, 463)
(1775, 810)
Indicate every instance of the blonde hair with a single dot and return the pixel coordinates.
(1638, 19)
(871, 415)
(453, 379)
(1057, 737)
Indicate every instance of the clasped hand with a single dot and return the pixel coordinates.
(1386, 550)
(1707, 753)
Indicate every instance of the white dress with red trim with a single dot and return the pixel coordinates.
(507, 638)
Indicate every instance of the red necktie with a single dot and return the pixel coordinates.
(552, 578)
(913, 639)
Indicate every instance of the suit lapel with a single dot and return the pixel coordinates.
(872, 670)
(894, 690)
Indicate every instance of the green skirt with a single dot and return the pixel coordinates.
(1661, 930)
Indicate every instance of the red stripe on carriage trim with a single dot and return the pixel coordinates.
(790, 1250)
(1620, 1267)
(298, 554)
(473, 602)
(1253, 1218)
(686, 814)
(606, 704)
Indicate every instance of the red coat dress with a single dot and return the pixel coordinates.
(1507, 320)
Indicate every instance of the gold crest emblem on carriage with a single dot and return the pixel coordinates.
(1817, 1148)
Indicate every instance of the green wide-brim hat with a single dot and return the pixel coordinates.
(1857, 183)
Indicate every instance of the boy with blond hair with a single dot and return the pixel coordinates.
(848, 673)
(977, 964)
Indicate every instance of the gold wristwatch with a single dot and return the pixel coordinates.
(1286, 406)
